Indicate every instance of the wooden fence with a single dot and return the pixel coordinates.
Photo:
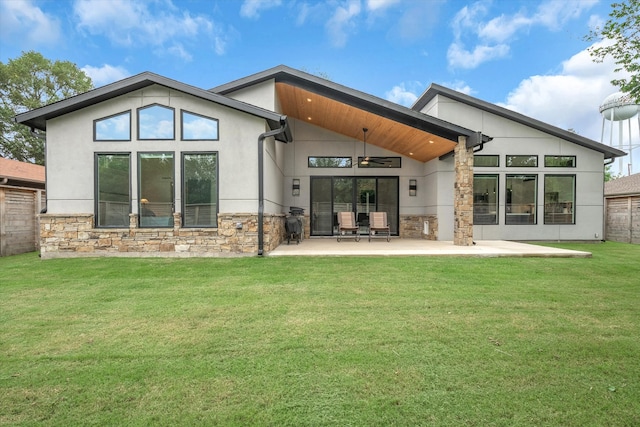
(19, 228)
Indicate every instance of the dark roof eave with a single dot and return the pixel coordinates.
(434, 89)
(352, 97)
(38, 118)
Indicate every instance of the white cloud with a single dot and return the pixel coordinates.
(144, 24)
(342, 22)
(252, 8)
(569, 99)
(405, 93)
(491, 37)
(26, 24)
(374, 5)
(106, 74)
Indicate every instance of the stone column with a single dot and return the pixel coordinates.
(463, 194)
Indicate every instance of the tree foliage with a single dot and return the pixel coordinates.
(28, 82)
(623, 30)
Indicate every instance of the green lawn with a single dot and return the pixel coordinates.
(344, 341)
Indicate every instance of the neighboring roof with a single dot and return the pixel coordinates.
(624, 186)
(38, 118)
(21, 171)
(347, 111)
(434, 90)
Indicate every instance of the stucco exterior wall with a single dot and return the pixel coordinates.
(511, 138)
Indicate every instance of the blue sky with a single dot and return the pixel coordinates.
(526, 55)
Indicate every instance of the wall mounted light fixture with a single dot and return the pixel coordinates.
(413, 187)
(296, 187)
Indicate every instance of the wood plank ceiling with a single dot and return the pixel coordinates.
(348, 120)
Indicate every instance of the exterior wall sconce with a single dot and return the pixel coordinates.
(413, 187)
(296, 187)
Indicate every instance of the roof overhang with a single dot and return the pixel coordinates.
(346, 111)
(434, 90)
(37, 119)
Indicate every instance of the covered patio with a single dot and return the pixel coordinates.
(420, 247)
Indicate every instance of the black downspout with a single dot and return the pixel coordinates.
(261, 138)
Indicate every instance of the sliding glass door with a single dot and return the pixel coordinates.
(361, 195)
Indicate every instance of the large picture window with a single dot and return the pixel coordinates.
(156, 122)
(113, 190)
(113, 128)
(485, 199)
(559, 199)
(155, 189)
(521, 203)
(200, 189)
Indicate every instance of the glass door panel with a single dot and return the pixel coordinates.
(366, 201)
(321, 207)
(342, 198)
(388, 201)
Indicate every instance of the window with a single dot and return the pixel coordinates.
(379, 162)
(560, 161)
(521, 202)
(156, 122)
(522, 161)
(113, 190)
(113, 128)
(198, 128)
(155, 189)
(559, 199)
(200, 189)
(486, 160)
(329, 162)
(485, 199)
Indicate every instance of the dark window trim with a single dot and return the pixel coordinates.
(329, 157)
(182, 189)
(506, 160)
(575, 161)
(361, 158)
(182, 138)
(173, 178)
(573, 207)
(96, 189)
(496, 156)
(173, 110)
(497, 176)
(506, 189)
(95, 138)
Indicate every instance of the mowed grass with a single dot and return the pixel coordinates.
(340, 341)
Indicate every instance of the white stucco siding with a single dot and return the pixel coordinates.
(71, 150)
(260, 94)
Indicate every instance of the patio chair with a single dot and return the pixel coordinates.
(378, 225)
(348, 226)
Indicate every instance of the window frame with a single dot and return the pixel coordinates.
(531, 156)
(173, 122)
(508, 204)
(496, 156)
(572, 206)
(497, 202)
(183, 188)
(173, 195)
(182, 136)
(379, 166)
(349, 158)
(575, 161)
(95, 122)
(96, 184)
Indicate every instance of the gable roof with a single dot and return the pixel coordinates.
(434, 90)
(626, 185)
(38, 118)
(347, 111)
(14, 170)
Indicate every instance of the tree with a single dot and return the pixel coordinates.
(28, 82)
(623, 30)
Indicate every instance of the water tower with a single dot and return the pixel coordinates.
(620, 108)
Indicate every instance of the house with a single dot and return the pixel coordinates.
(153, 166)
(622, 209)
(21, 199)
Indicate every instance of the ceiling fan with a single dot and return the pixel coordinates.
(366, 159)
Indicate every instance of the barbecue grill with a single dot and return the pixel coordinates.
(293, 224)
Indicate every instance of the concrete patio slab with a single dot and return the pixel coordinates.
(416, 247)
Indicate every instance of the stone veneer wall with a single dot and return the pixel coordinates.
(463, 195)
(412, 227)
(237, 235)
